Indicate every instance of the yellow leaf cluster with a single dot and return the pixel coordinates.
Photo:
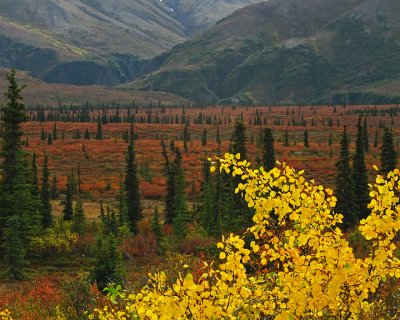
(5, 315)
(305, 266)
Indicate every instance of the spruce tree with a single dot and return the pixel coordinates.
(344, 185)
(181, 216)
(47, 218)
(134, 211)
(171, 187)
(268, 158)
(306, 143)
(35, 184)
(19, 208)
(204, 137)
(238, 140)
(55, 135)
(365, 135)
(68, 209)
(360, 176)
(388, 153)
(54, 190)
(108, 262)
(99, 133)
(87, 134)
(49, 139)
(78, 218)
(157, 230)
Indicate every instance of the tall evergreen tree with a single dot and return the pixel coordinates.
(181, 216)
(157, 230)
(134, 211)
(78, 218)
(68, 209)
(19, 208)
(306, 143)
(99, 133)
(47, 218)
(35, 184)
(171, 187)
(268, 157)
(344, 185)
(388, 153)
(54, 190)
(238, 139)
(55, 135)
(365, 135)
(204, 137)
(49, 139)
(360, 176)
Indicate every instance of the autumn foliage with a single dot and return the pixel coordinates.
(302, 265)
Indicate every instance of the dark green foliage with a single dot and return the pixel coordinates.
(13, 249)
(19, 208)
(108, 262)
(204, 137)
(49, 139)
(68, 210)
(132, 192)
(365, 135)
(43, 135)
(47, 218)
(171, 188)
(55, 136)
(181, 215)
(388, 153)
(35, 184)
(268, 158)
(54, 190)
(376, 139)
(99, 133)
(87, 134)
(360, 176)
(78, 218)
(157, 230)
(344, 185)
(238, 140)
(217, 137)
(286, 139)
(306, 143)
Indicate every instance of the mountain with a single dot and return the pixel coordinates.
(38, 92)
(98, 41)
(200, 15)
(289, 51)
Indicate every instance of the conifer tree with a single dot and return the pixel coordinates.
(99, 133)
(157, 230)
(19, 208)
(49, 139)
(43, 135)
(78, 218)
(55, 136)
(68, 209)
(47, 218)
(217, 136)
(376, 139)
(181, 216)
(306, 143)
(344, 185)
(286, 139)
(268, 159)
(171, 189)
(388, 154)
(238, 139)
(87, 134)
(365, 136)
(54, 190)
(359, 175)
(204, 137)
(108, 262)
(134, 211)
(35, 184)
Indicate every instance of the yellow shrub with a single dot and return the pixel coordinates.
(306, 268)
(5, 315)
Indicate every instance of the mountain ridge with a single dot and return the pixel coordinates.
(290, 51)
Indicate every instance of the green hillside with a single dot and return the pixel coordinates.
(289, 51)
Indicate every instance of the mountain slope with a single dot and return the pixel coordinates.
(96, 41)
(288, 51)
